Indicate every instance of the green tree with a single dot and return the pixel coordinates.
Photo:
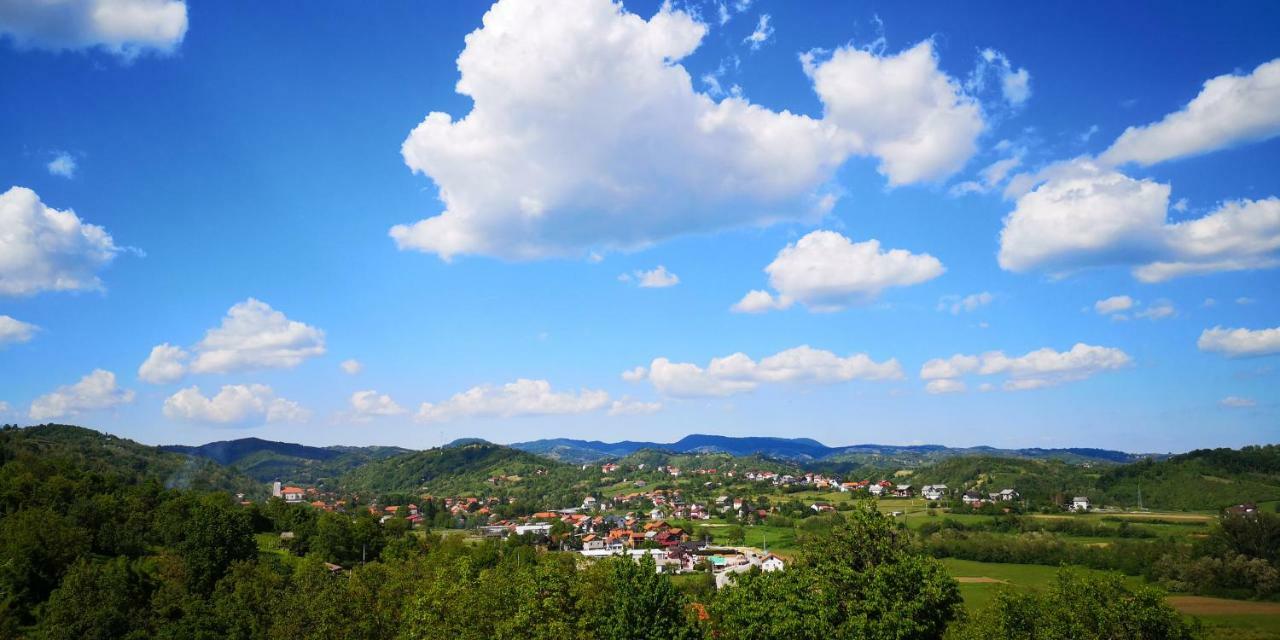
(627, 600)
(217, 533)
(860, 580)
(36, 547)
(97, 601)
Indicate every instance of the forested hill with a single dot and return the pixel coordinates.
(1200, 479)
(267, 460)
(93, 452)
(450, 470)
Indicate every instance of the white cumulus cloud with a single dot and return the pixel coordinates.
(252, 336)
(1081, 213)
(587, 134)
(166, 363)
(1037, 369)
(523, 397)
(123, 27)
(738, 373)
(44, 249)
(368, 404)
(13, 331)
(98, 390)
(351, 366)
(234, 404)
(826, 271)
(902, 109)
(1240, 343)
(1230, 109)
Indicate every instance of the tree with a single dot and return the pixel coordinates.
(860, 580)
(217, 533)
(1080, 606)
(627, 600)
(96, 601)
(36, 547)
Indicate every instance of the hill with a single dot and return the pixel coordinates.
(92, 452)
(267, 460)
(806, 450)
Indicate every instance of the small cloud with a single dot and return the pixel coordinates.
(762, 34)
(63, 165)
(1158, 311)
(1182, 205)
(1209, 302)
(1114, 304)
(1237, 402)
(1084, 137)
(658, 278)
(352, 366)
(1244, 300)
(971, 302)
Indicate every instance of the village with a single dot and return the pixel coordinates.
(655, 523)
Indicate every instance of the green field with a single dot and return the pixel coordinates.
(1233, 619)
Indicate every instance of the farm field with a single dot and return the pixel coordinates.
(1223, 618)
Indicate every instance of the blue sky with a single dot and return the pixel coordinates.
(1010, 226)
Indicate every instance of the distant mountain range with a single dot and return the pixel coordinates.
(804, 450)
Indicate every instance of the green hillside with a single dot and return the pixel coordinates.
(92, 452)
(475, 470)
(1204, 479)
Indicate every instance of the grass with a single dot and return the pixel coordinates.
(1222, 618)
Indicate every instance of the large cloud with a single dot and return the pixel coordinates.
(97, 390)
(13, 331)
(586, 133)
(826, 271)
(523, 397)
(1240, 343)
(234, 404)
(902, 108)
(123, 27)
(1037, 369)
(1080, 213)
(1230, 109)
(252, 336)
(738, 373)
(44, 249)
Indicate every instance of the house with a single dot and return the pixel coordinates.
(972, 498)
(934, 491)
(1007, 495)
(821, 507)
(903, 491)
(655, 514)
(1243, 509)
(876, 489)
(588, 503)
(537, 529)
(293, 494)
(1079, 503)
(772, 563)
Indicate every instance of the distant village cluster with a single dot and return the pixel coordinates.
(640, 523)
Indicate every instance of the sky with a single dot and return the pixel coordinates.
(406, 223)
